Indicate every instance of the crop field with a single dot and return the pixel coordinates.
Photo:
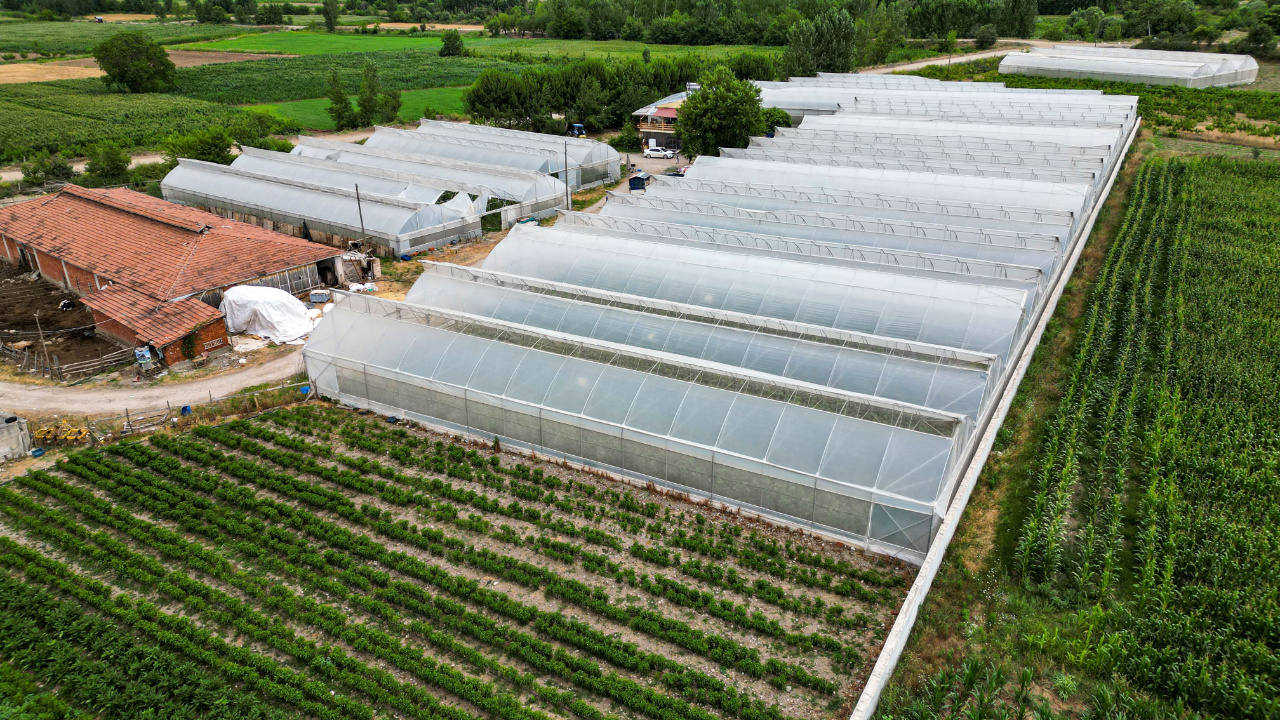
(331, 565)
(80, 37)
(313, 114)
(314, 43)
(72, 115)
(1136, 566)
(1169, 420)
(284, 79)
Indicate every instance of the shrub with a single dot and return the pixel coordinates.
(108, 162)
(626, 141)
(985, 37)
(451, 44)
(210, 145)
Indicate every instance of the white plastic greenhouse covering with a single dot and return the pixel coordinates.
(401, 225)
(960, 267)
(955, 240)
(1056, 196)
(822, 344)
(951, 388)
(458, 175)
(972, 317)
(597, 161)
(326, 172)
(875, 479)
(1152, 67)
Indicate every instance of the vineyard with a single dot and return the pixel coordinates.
(72, 115)
(80, 37)
(328, 564)
(285, 79)
(1146, 557)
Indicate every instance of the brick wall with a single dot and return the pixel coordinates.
(9, 249)
(210, 339)
(114, 329)
(81, 281)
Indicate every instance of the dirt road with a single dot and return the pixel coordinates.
(109, 401)
(11, 174)
(998, 52)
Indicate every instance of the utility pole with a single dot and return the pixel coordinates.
(43, 348)
(360, 211)
(568, 192)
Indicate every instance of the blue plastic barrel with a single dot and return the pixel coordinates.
(405, 257)
(38, 452)
(186, 409)
(305, 389)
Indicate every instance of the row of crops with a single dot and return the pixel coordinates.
(333, 566)
(1156, 495)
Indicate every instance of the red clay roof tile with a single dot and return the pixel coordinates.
(156, 247)
(158, 322)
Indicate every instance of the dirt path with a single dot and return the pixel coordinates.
(998, 52)
(12, 173)
(104, 401)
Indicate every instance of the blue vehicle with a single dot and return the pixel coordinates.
(576, 130)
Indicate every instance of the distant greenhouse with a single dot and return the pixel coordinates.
(591, 162)
(1152, 67)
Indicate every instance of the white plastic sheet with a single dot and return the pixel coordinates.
(270, 313)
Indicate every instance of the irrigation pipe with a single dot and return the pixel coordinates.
(896, 641)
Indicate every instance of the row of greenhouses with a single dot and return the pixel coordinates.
(400, 191)
(1151, 67)
(817, 329)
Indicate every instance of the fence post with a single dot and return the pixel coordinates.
(57, 367)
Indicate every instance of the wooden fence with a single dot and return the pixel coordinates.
(34, 361)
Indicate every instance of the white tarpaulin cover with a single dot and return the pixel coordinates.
(266, 312)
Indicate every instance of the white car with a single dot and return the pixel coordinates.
(657, 152)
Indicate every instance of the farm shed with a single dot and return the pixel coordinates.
(529, 193)
(595, 162)
(152, 271)
(326, 213)
(1152, 67)
(902, 250)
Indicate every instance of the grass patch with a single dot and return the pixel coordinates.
(301, 78)
(311, 114)
(80, 37)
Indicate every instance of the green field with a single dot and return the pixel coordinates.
(315, 43)
(71, 115)
(311, 115)
(286, 79)
(80, 37)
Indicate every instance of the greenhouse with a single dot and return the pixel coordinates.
(325, 213)
(1023, 171)
(959, 266)
(979, 318)
(1151, 67)
(952, 388)
(955, 239)
(502, 152)
(781, 448)
(369, 180)
(595, 161)
(533, 194)
(861, 324)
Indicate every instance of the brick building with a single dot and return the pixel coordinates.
(153, 272)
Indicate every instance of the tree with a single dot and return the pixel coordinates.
(245, 10)
(1261, 40)
(135, 62)
(877, 33)
(985, 37)
(628, 140)
(344, 116)
(451, 44)
(1208, 36)
(211, 145)
(646, 56)
(506, 100)
(824, 45)
(108, 162)
(370, 96)
(774, 118)
(724, 112)
(210, 12)
(330, 12)
(272, 14)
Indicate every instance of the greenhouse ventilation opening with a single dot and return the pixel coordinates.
(822, 328)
